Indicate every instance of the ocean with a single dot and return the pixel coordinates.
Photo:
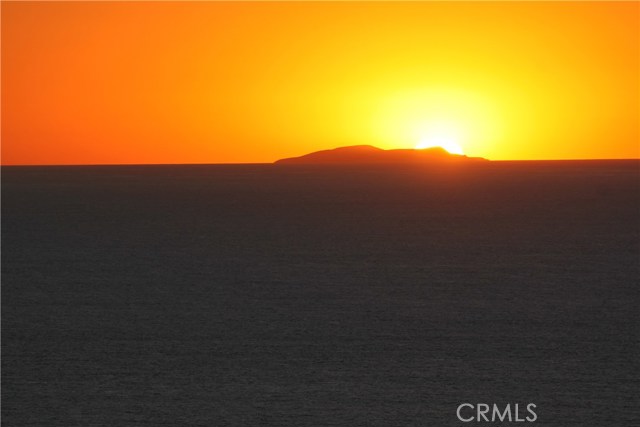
(301, 295)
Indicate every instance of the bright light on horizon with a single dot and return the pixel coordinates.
(447, 137)
(451, 146)
(459, 120)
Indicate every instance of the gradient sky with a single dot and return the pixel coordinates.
(218, 82)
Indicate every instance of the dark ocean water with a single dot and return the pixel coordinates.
(255, 295)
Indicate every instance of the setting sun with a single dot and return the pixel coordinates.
(443, 142)
(335, 212)
(446, 135)
(441, 116)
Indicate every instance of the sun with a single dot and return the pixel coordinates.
(456, 119)
(447, 141)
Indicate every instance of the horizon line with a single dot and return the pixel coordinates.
(273, 163)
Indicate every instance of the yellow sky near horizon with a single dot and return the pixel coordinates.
(243, 82)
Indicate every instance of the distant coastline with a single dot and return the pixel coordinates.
(368, 154)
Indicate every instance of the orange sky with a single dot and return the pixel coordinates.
(217, 82)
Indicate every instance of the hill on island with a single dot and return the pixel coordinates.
(367, 154)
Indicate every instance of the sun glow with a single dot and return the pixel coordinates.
(253, 82)
(449, 143)
(458, 120)
(445, 134)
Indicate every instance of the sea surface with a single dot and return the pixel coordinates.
(264, 295)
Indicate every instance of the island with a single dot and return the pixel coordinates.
(368, 154)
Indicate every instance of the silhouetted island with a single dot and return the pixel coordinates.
(367, 154)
